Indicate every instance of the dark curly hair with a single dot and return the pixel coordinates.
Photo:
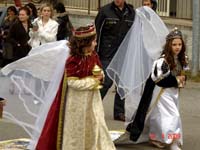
(168, 54)
(77, 44)
(26, 10)
(13, 9)
(34, 9)
(60, 8)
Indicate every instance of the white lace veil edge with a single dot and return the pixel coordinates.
(30, 86)
(133, 61)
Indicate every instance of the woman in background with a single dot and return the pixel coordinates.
(12, 16)
(65, 26)
(19, 34)
(44, 27)
(33, 11)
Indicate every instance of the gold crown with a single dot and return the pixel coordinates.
(85, 31)
(175, 33)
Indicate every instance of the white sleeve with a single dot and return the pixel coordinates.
(50, 36)
(160, 70)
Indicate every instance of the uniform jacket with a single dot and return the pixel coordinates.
(112, 24)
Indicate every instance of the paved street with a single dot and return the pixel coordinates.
(190, 112)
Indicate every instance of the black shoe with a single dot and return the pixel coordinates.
(120, 117)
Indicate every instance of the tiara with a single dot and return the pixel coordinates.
(175, 33)
(90, 31)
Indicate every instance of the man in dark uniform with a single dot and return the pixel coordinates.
(112, 23)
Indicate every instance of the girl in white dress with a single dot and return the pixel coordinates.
(157, 118)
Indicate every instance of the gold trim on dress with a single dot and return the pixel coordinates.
(159, 79)
(61, 113)
(156, 102)
(77, 78)
(73, 78)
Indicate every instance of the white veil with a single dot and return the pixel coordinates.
(133, 61)
(30, 86)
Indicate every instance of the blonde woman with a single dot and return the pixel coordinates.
(44, 28)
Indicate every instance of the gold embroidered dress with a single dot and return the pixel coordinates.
(75, 120)
(84, 123)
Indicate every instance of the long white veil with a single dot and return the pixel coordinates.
(30, 86)
(133, 61)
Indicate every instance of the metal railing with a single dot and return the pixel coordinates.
(168, 8)
(163, 7)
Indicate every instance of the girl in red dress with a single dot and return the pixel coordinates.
(76, 118)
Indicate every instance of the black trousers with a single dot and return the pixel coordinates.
(118, 103)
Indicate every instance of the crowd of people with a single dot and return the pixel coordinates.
(28, 27)
(121, 33)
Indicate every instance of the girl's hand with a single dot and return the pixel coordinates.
(99, 77)
(181, 80)
(35, 28)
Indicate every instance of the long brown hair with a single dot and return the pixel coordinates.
(77, 44)
(169, 56)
